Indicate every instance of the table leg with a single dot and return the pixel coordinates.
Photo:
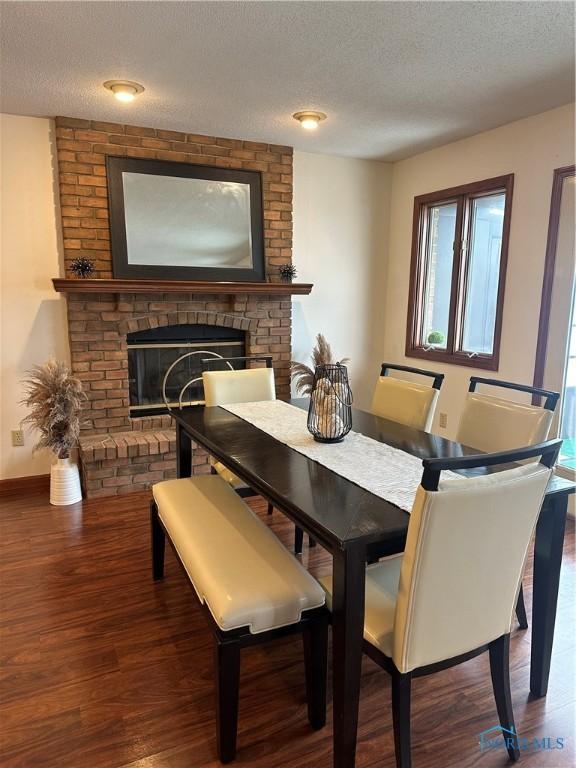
(348, 596)
(547, 561)
(183, 453)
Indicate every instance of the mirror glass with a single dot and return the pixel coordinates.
(186, 222)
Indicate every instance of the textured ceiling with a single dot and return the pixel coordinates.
(395, 78)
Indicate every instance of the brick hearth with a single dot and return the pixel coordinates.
(126, 461)
(119, 453)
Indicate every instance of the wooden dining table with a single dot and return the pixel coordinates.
(356, 527)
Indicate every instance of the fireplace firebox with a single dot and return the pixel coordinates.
(152, 352)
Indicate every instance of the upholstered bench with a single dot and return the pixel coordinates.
(250, 587)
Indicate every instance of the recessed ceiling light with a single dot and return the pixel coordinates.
(124, 90)
(309, 119)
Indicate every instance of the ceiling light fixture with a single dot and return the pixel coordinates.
(123, 90)
(309, 119)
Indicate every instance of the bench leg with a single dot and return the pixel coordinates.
(315, 638)
(227, 663)
(158, 538)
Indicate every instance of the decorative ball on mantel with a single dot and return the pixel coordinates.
(288, 272)
(82, 267)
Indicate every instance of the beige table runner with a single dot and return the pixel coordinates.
(386, 472)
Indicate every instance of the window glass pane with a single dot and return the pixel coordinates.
(440, 229)
(483, 274)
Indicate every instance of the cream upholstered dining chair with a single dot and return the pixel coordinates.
(451, 595)
(248, 385)
(239, 386)
(407, 402)
(490, 424)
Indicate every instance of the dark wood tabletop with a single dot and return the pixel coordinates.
(330, 507)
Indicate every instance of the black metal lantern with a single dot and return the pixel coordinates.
(330, 411)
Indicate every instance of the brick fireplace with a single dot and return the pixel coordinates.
(119, 452)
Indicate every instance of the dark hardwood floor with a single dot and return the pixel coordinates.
(102, 668)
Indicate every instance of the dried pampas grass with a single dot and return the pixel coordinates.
(303, 376)
(55, 398)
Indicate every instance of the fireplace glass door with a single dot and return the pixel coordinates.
(152, 352)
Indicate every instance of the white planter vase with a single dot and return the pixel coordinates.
(64, 483)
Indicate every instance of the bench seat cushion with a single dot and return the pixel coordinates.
(236, 564)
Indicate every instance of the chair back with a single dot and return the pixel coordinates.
(244, 386)
(406, 402)
(492, 424)
(465, 553)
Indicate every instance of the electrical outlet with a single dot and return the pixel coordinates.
(17, 437)
(443, 420)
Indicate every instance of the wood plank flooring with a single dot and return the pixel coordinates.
(102, 668)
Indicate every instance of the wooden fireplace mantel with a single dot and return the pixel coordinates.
(64, 285)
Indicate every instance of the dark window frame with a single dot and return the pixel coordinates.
(463, 196)
(560, 175)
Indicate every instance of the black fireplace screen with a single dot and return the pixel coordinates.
(152, 352)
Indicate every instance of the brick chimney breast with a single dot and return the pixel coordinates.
(120, 454)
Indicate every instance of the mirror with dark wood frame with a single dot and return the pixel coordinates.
(182, 221)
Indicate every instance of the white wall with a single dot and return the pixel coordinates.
(341, 219)
(531, 149)
(32, 315)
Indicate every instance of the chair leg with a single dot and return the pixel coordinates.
(227, 663)
(500, 670)
(298, 540)
(401, 689)
(158, 539)
(315, 638)
(521, 610)
(270, 508)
